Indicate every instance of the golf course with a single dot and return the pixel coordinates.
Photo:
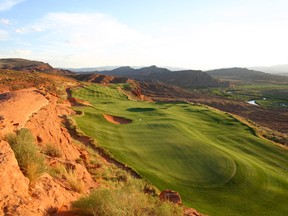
(216, 163)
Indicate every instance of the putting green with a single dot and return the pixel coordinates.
(214, 161)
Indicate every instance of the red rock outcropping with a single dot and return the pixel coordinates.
(172, 196)
(43, 114)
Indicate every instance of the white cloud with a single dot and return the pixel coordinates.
(87, 39)
(21, 52)
(24, 30)
(21, 30)
(4, 21)
(79, 39)
(8, 4)
(87, 29)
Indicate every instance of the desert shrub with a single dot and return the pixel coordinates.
(52, 150)
(79, 161)
(167, 208)
(57, 171)
(124, 201)
(30, 161)
(60, 171)
(75, 183)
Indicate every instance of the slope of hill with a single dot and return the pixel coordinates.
(201, 153)
(46, 164)
(33, 101)
(23, 64)
(246, 75)
(19, 64)
(100, 78)
(186, 79)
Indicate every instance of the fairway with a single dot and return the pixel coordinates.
(214, 161)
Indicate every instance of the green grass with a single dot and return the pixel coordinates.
(214, 161)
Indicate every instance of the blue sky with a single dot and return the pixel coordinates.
(191, 34)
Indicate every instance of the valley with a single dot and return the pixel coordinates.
(270, 96)
(94, 138)
(143, 108)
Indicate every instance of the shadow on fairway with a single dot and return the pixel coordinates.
(138, 109)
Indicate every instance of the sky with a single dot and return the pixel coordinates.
(191, 34)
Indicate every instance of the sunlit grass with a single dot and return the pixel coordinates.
(214, 161)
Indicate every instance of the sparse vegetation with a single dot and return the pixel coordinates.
(60, 171)
(79, 161)
(52, 150)
(73, 181)
(16, 80)
(128, 200)
(29, 158)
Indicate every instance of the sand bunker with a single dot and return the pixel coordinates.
(116, 119)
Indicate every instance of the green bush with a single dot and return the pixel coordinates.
(52, 150)
(124, 201)
(57, 171)
(30, 161)
(60, 171)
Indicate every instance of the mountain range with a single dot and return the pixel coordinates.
(275, 69)
(183, 78)
(246, 75)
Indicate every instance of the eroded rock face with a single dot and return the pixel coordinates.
(48, 196)
(172, 196)
(80, 171)
(14, 185)
(47, 127)
(17, 198)
(17, 107)
(43, 115)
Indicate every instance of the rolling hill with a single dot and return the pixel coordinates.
(245, 75)
(184, 78)
(101, 78)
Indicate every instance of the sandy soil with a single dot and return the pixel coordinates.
(116, 119)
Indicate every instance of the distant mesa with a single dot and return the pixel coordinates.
(184, 78)
(102, 79)
(24, 64)
(246, 76)
(19, 64)
(116, 119)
